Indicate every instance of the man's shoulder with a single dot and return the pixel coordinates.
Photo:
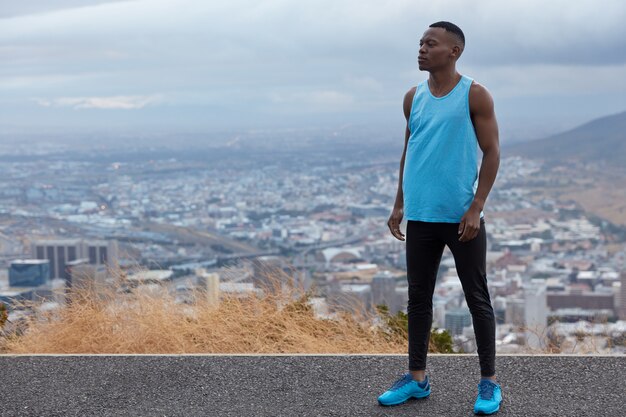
(477, 88)
(478, 92)
(408, 96)
(479, 97)
(411, 92)
(408, 101)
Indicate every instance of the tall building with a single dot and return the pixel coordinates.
(439, 312)
(384, 291)
(457, 319)
(210, 283)
(402, 297)
(61, 251)
(58, 252)
(29, 272)
(499, 308)
(622, 303)
(514, 312)
(535, 315)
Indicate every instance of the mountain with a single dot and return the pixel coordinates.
(600, 140)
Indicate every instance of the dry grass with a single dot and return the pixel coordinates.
(118, 319)
(109, 320)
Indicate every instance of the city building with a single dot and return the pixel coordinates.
(210, 283)
(514, 312)
(582, 299)
(61, 251)
(457, 319)
(535, 315)
(622, 304)
(384, 291)
(83, 274)
(29, 272)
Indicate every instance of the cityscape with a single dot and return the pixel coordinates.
(227, 214)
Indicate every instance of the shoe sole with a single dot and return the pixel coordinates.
(483, 413)
(417, 397)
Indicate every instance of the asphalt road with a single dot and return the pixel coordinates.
(300, 385)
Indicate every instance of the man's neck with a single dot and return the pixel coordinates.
(442, 81)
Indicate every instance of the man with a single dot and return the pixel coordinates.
(442, 195)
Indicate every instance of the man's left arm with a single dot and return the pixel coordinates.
(486, 127)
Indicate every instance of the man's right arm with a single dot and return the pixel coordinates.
(408, 101)
(398, 208)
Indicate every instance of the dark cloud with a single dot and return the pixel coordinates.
(314, 60)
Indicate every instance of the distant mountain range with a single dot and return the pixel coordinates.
(602, 139)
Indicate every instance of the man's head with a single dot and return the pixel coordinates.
(441, 45)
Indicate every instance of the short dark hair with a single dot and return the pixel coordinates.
(451, 27)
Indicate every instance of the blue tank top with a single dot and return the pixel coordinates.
(440, 175)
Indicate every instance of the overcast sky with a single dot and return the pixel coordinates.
(289, 63)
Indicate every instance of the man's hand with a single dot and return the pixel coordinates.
(470, 224)
(394, 222)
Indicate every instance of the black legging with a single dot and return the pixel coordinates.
(425, 242)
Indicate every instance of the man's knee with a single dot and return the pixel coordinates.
(420, 298)
(479, 302)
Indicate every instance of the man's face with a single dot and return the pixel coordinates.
(436, 49)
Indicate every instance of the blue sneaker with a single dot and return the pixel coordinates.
(489, 397)
(403, 389)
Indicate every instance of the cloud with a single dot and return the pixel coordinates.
(108, 103)
(522, 32)
(11, 8)
(281, 57)
(320, 99)
(365, 83)
(538, 80)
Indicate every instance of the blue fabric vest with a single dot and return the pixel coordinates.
(440, 175)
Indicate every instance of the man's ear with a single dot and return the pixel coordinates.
(456, 52)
